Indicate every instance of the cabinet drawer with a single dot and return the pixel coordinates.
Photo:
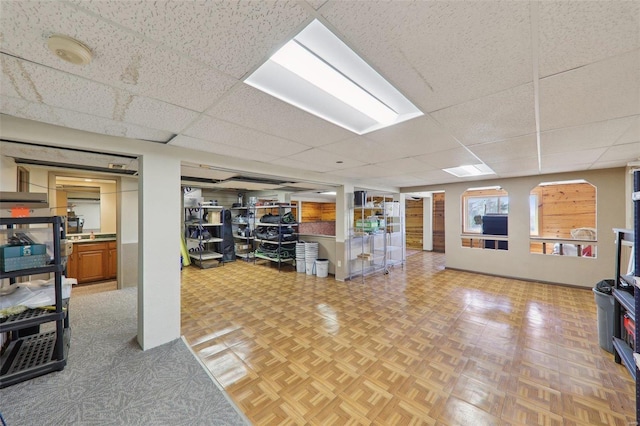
(111, 244)
(90, 247)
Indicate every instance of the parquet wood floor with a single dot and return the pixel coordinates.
(421, 345)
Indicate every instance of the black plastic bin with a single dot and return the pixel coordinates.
(604, 301)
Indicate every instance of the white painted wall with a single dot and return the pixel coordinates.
(8, 174)
(518, 262)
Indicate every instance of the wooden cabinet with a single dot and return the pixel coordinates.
(93, 261)
(112, 260)
(72, 263)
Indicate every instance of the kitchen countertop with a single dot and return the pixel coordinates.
(86, 238)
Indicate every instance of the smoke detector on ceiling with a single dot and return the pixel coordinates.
(69, 49)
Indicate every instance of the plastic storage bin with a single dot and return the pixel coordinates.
(604, 302)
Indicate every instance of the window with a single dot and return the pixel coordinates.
(480, 202)
(563, 219)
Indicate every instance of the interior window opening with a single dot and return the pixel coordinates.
(563, 219)
(485, 217)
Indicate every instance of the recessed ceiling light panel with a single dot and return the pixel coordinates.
(470, 170)
(319, 73)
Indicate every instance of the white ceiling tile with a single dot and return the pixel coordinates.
(450, 158)
(399, 181)
(78, 120)
(627, 152)
(594, 135)
(362, 149)
(366, 172)
(496, 117)
(218, 131)
(221, 149)
(404, 165)
(520, 166)
(153, 113)
(231, 36)
(506, 150)
(45, 85)
(435, 176)
(564, 168)
(440, 53)
(324, 159)
(555, 162)
(573, 34)
(302, 165)
(632, 134)
(253, 108)
(143, 68)
(608, 164)
(422, 135)
(596, 92)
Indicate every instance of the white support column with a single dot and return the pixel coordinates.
(427, 223)
(344, 221)
(159, 250)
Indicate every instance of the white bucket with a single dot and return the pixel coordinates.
(301, 265)
(310, 267)
(322, 268)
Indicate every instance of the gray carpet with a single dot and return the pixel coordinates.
(110, 380)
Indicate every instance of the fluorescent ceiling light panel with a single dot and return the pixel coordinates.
(318, 73)
(470, 170)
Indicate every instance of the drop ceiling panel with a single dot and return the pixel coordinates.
(324, 159)
(45, 85)
(506, 150)
(440, 53)
(143, 68)
(450, 158)
(557, 161)
(404, 165)
(632, 134)
(422, 135)
(78, 120)
(572, 35)
(230, 36)
(608, 164)
(253, 108)
(221, 149)
(397, 181)
(366, 172)
(495, 117)
(434, 176)
(627, 152)
(223, 132)
(596, 92)
(303, 165)
(520, 167)
(594, 135)
(362, 149)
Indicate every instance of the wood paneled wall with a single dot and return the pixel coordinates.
(318, 212)
(438, 222)
(414, 223)
(562, 208)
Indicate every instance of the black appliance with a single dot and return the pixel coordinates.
(495, 224)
